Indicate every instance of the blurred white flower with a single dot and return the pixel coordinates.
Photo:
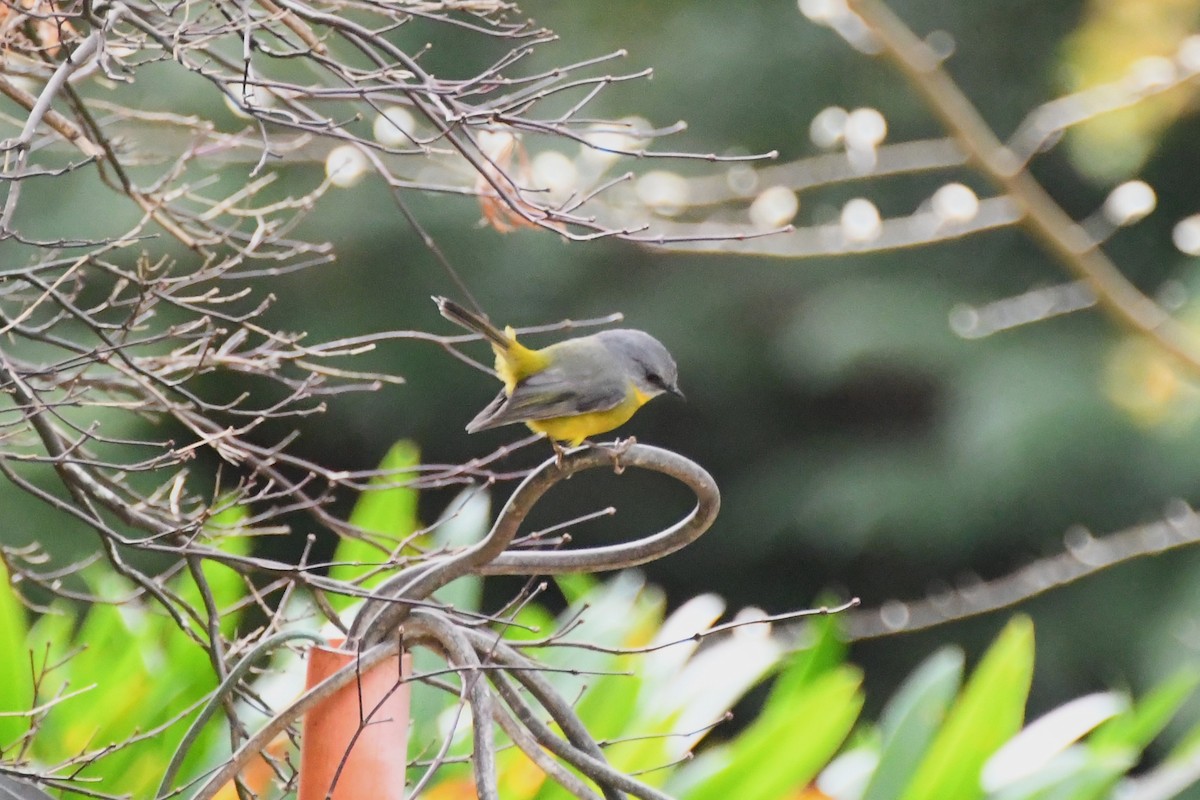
(865, 129)
(942, 43)
(823, 12)
(1152, 72)
(394, 127)
(1188, 54)
(741, 180)
(828, 127)
(774, 208)
(622, 136)
(955, 202)
(555, 173)
(860, 221)
(1186, 235)
(249, 95)
(496, 145)
(1129, 203)
(664, 192)
(345, 165)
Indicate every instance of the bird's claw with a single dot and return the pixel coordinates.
(617, 449)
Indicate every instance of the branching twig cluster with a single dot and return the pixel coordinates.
(129, 316)
(477, 655)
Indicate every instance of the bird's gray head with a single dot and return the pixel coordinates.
(651, 366)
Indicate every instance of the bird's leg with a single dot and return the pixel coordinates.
(617, 449)
(559, 452)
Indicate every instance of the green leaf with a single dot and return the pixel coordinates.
(49, 641)
(1137, 727)
(575, 586)
(388, 507)
(1095, 783)
(1179, 762)
(111, 682)
(610, 701)
(795, 736)
(50, 636)
(427, 704)
(14, 663)
(989, 711)
(132, 674)
(1188, 746)
(1121, 740)
(387, 512)
(826, 651)
(911, 719)
(1042, 757)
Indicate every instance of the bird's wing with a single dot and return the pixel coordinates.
(548, 395)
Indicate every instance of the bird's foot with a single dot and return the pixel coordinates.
(559, 452)
(617, 449)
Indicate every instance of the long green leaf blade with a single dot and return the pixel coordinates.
(990, 710)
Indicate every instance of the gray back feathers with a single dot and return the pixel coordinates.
(589, 373)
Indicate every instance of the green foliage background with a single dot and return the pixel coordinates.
(860, 444)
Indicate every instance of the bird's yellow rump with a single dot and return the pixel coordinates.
(572, 389)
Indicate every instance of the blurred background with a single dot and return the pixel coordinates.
(863, 446)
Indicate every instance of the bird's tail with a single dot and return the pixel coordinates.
(472, 322)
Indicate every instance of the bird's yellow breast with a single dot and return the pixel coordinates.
(574, 429)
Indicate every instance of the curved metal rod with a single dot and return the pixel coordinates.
(533, 750)
(392, 604)
(462, 656)
(580, 749)
(519, 734)
(639, 551)
(576, 732)
(383, 613)
(598, 769)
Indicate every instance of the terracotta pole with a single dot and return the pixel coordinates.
(359, 735)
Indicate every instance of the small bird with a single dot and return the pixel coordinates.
(572, 389)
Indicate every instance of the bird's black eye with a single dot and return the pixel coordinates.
(654, 379)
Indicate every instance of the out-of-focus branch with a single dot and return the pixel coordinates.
(1085, 555)
(1044, 217)
(64, 126)
(900, 158)
(921, 228)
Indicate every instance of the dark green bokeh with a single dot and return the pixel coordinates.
(860, 444)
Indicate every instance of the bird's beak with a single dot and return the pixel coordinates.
(675, 391)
